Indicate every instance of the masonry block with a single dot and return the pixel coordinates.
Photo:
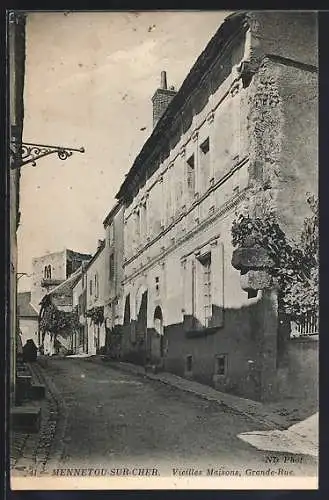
(25, 418)
(256, 280)
(37, 391)
(251, 258)
(23, 384)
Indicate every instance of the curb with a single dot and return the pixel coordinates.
(58, 421)
(271, 421)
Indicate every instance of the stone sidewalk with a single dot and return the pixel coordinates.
(254, 410)
(301, 438)
(33, 454)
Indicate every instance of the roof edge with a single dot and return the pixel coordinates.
(231, 24)
(114, 210)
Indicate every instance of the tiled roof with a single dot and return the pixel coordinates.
(67, 286)
(24, 305)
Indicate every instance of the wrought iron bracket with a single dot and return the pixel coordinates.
(28, 153)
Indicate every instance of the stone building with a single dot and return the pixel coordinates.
(80, 302)
(113, 276)
(240, 132)
(52, 269)
(61, 296)
(94, 275)
(16, 71)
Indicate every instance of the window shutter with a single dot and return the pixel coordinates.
(217, 283)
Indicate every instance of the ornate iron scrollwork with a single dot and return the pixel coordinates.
(29, 153)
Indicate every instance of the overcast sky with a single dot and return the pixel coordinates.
(89, 82)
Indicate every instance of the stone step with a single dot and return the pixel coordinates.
(24, 379)
(25, 418)
(23, 385)
(37, 391)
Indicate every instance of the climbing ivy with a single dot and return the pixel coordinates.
(295, 266)
(55, 321)
(96, 314)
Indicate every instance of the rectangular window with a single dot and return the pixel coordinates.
(189, 363)
(221, 364)
(157, 285)
(111, 275)
(205, 262)
(143, 222)
(138, 225)
(81, 335)
(204, 158)
(111, 234)
(191, 175)
(91, 287)
(80, 306)
(96, 286)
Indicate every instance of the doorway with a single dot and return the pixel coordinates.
(158, 327)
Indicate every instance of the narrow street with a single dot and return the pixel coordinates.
(115, 419)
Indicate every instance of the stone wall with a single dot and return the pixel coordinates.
(114, 245)
(57, 261)
(16, 72)
(255, 127)
(288, 34)
(298, 370)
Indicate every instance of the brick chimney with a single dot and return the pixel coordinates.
(162, 98)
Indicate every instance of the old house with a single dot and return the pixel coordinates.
(80, 344)
(15, 117)
(94, 275)
(61, 297)
(52, 269)
(241, 129)
(113, 276)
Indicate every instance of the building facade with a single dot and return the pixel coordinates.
(62, 298)
(80, 303)
(52, 269)
(94, 274)
(113, 277)
(16, 71)
(240, 132)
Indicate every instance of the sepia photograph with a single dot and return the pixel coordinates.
(163, 303)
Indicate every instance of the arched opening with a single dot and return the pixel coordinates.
(158, 327)
(126, 315)
(141, 327)
(158, 320)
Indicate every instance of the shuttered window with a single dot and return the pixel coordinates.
(205, 262)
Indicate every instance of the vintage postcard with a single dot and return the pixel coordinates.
(164, 249)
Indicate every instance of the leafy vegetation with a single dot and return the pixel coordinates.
(96, 314)
(55, 321)
(295, 262)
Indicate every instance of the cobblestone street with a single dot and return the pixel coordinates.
(114, 419)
